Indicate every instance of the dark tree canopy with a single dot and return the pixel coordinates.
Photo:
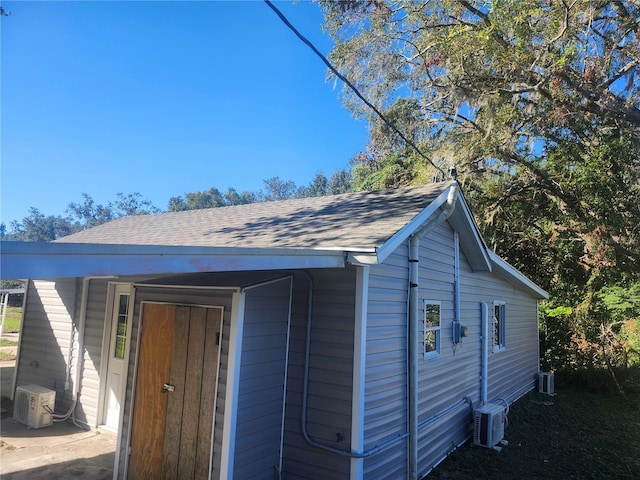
(537, 102)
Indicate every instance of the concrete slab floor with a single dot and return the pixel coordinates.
(60, 451)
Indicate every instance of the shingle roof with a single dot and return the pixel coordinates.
(362, 221)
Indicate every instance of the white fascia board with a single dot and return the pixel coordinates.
(362, 258)
(405, 232)
(236, 332)
(510, 273)
(471, 241)
(43, 260)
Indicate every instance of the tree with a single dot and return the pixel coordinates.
(89, 214)
(537, 103)
(520, 94)
(37, 227)
(133, 204)
(319, 186)
(234, 198)
(278, 189)
(197, 200)
(340, 182)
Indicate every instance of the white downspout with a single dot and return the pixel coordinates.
(414, 330)
(484, 338)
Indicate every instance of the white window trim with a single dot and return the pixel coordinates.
(438, 330)
(503, 327)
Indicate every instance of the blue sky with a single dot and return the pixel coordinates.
(162, 98)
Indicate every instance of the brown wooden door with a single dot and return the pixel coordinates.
(172, 427)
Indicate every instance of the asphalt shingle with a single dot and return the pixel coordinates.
(362, 220)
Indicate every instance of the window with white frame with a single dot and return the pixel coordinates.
(499, 327)
(431, 327)
(121, 327)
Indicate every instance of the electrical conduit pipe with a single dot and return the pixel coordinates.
(484, 366)
(80, 356)
(305, 393)
(414, 331)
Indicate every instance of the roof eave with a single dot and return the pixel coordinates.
(43, 260)
(512, 274)
(461, 220)
(405, 232)
(471, 241)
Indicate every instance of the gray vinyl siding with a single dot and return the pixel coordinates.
(447, 378)
(454, 373)
(261, 391)
(202, 297)
(386, 366)
(330, 376)
(53, 309)
(49, 314)
(88, 400)
(512, 371)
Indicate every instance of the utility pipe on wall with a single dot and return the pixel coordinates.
(456, 275)
(484, 338)
(305, 393)
(414, 330)
(80, 355)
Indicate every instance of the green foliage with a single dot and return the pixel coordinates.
(340, 182)
(623, 303)
(278, 189)
(197, 200)
(87, 214)
(537, 103)
(37, 227)
(601, 334)
(13, 319)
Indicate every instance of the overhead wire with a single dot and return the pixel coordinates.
(349, 84)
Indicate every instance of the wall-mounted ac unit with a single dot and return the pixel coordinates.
(488, 425)
(34, 406)
(545, 383)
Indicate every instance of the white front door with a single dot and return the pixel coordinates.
(120, 332)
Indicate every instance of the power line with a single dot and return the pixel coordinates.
(349, 84)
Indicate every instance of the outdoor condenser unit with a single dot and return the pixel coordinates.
(545, 383)
(34, 406)
(488, 425)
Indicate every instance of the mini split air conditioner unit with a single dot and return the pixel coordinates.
(34, 406)
(545, 383)
(488, 425)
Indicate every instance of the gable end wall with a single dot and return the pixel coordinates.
(447, 378)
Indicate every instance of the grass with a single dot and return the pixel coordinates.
(576, 434)
(6, 356)
(5, 342)
(6, 445)
(12, 320)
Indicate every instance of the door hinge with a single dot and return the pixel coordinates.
(218, 338)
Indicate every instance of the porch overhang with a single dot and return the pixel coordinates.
(44, 260)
